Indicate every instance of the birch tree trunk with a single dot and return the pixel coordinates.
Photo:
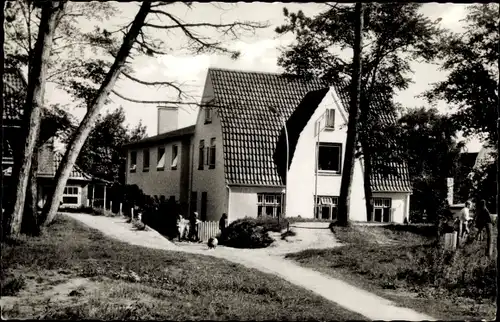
(51, 12)
(348, 168)
(78, 139)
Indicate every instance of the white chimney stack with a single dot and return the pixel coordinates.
(168, 119)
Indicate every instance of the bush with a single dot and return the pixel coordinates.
(81, 209)
(161, 215)
(12, 286)
(250, 233)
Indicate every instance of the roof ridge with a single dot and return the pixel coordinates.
(261, 73)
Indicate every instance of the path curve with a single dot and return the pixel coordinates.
(269, 261)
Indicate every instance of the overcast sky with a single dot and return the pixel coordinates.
(259, 52)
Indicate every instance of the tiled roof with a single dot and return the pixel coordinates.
(380, 182)
(164, 137)
(250, 130)
(76, 172)
(14, 91)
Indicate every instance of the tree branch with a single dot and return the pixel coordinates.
(170, 84)
(153, 102)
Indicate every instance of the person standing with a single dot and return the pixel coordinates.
(464, 219)
(223, 223)
(193, 229)
(180, 228)
(483, 221)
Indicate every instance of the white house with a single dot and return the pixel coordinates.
(238, 162)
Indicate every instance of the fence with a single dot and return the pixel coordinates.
(207, 229)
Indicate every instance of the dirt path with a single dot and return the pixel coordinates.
(271, 260)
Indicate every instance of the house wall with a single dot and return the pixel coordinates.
(243, 201)
(164, 182)
(301, 176)
(208, 180)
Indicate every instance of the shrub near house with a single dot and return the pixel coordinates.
(252, 232)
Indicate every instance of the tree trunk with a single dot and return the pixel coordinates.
(30, 224)
(85, 127)
(348, 168)
(367, 162)
(51, 12)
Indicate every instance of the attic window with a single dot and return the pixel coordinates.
(211, 161)
(330, 119)
(133, 161)
(208, 115)
(175, 156)
(161, 159)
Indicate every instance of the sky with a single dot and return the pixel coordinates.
(259, 52)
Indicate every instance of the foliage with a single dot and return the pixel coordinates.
(12, 285)
(102, 153)
(251, 232)
(428, 144)
(395, 34)
(161, 215)
(483, 184)
(471, 60)
(128, 282)
(244, 233)
(74, 65)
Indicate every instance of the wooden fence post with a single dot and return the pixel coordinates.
(121, 213)
(111, 205)
(132, 212)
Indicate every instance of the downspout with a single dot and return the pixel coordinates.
(316, 168)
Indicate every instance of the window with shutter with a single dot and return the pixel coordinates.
(175, 157)
(161, 159)
(211, 163)
(201, 157)
(330, 119)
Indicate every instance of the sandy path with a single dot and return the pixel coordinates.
(270, 260)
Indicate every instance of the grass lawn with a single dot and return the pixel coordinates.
(75, 272)
(404, 267)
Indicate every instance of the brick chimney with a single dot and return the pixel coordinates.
(449, 185)
(168, 119)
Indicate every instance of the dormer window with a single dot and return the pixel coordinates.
(330, 119)
(208, 115)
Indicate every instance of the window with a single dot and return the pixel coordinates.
(211, 162)
(71, 196)
(145, 160)
(326, 207)
(133, 161)
(175, 157)
(208, 115)
(269, 204)
(329, 155)
(201, 157)
(161, 159)
(381, 210)
(204, 197)
(330, 119)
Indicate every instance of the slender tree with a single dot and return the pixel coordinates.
(394, 35)
(136, 40)
(51, 12)
(348, 168)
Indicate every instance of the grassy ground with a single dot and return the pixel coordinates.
(74, 272)
(406, 268)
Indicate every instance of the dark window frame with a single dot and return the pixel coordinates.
(329, 145)
(175, 155)
(144, 153)
(159, 157)
(212, 157)
(201, 155)
(133, 161)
